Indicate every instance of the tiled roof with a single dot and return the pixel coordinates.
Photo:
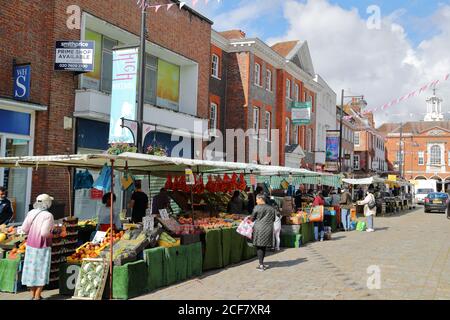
(414, 127)
(233, 34)
(284, 48)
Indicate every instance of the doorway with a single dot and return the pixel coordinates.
(16, 180)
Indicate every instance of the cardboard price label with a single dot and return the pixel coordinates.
(190, 180)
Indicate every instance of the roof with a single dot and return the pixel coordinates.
(233, 34)
(414, 127)
(194, 12)
(284, 48)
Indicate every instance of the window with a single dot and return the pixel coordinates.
(256, 119)
(356, 162)
(356, 138)
(268, 123)
(151, 76)
(309, 140)
(399, 157)
(100, 78)
(296, 135)
(304, 96)
(257, 74)
(215, 62)
(288, 131)
(213, 116)
(435, 155)
(297, 93)
(288, 88)
(269, 80)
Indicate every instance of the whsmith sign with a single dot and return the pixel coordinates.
(76, 56)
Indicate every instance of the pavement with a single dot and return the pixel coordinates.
(407, 257)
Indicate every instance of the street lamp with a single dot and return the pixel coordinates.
(362, 102)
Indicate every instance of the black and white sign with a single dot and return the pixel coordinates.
(164, 214)
(75, 56)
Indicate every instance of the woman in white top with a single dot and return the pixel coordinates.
(369, 212)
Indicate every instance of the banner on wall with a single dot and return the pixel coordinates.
(301, 113)
(332, 151)
(75, 56)
(168, 87)
(22, 76)
(123, 95)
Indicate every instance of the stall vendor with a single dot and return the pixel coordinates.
(105, 212)
(236, 204)
(160, 202)
(6, 212)
(138, 203)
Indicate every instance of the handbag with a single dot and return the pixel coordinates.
(246, 228)
(316, 214)
(372, 203)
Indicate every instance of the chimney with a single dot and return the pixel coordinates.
(242, 34)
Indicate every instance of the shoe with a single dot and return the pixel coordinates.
(266, 266)
(32, 298)
(260, 268)
(370, 230)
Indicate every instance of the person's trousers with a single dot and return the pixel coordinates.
(276, 235)
(261, 253)
(345, 219)
(370, 222)
(318, 228)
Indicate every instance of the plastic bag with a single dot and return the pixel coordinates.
(361, 226)
(103, 182)
(246, 228)
(316, 214)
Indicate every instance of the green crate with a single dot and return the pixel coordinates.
(290, 240)
(130, 280)
(237, 246)
(213, 258)
(226, 246)
(154, 260)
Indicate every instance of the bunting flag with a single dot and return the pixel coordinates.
(143, 4)
(405, 97)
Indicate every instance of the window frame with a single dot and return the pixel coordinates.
(421, 156)
(288, 89)
(213, 74)
(435, 163)
(297, 92)
(268, 124)
(356, 159)
(257, 79)
(216, 107)
(287, 127)
(357, 134)
(269, 80)
(256, 114)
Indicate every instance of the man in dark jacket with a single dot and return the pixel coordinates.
(6, 211)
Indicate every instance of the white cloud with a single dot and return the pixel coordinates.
(381, 64)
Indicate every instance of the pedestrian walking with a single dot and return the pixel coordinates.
(370, 209)
(346, 205)
(319, 200)
(264, 217)
(38, 224)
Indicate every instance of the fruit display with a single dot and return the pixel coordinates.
(165, 240)
(91, 280)
(86, 223)
(132, 243)
(91, 250)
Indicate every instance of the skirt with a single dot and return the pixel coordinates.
(36, 267)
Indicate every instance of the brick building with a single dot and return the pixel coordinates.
(253, 85)
(348, 135)
(425, 146)
(177, 40)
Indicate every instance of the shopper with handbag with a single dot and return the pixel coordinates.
(346, 205)
(263, 217)
(370, 209)
(319, 226)
(38, 225)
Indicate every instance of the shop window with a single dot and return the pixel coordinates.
(151, 79)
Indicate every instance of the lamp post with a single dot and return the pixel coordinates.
(343, 96)
(141, 92)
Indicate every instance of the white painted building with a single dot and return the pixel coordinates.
(325, 118)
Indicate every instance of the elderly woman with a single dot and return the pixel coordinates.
(38, 255)
(264, 218)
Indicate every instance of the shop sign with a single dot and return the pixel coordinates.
(96, 194)
(123, 95)
(75, 56)
(301, 113)
(347, 156)
(22, 80)
(332, 151)
(331, 166)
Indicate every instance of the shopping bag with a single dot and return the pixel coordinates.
(246, 228)
(361, 226)
(103, 182)
(316, 214)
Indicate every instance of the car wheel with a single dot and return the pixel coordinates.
(427, 211)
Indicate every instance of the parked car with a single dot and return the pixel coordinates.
(436, 201)
(422, 193)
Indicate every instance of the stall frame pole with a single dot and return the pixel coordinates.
(69, 171)
(111, 241)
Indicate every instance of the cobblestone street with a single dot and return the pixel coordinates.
(411, 250)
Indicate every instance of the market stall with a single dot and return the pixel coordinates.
(203, 237)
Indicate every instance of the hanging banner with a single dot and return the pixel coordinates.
(22, 76)
(123, 95)
(301, 113)
(332, 151)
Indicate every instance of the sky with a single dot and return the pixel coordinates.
(410, 48)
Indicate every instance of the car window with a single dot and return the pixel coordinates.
(438, 196)
(424, 191)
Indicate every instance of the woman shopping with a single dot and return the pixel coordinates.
(264, 217)
(319, 226)
(370, 209)
(38, 225)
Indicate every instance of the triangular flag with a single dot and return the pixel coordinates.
(194, 3)
(157, 8)
(448, 76)
(169, 6)
(182, 4)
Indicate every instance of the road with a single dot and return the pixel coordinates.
(407, 257)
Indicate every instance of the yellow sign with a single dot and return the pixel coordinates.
(392, 177)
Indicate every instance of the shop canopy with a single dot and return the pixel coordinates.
(160, 166)
(364, 181)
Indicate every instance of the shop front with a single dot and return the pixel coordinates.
(16, 139)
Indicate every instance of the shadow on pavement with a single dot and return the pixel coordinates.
(282, 264)
(381, 229)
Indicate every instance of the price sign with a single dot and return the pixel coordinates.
(149, 223)
(96, 194)
(99, 236)
(164, 214)
(190, 181)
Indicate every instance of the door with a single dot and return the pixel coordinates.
(16, 180)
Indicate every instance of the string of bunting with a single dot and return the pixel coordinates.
(143, 4)
(404, 98)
